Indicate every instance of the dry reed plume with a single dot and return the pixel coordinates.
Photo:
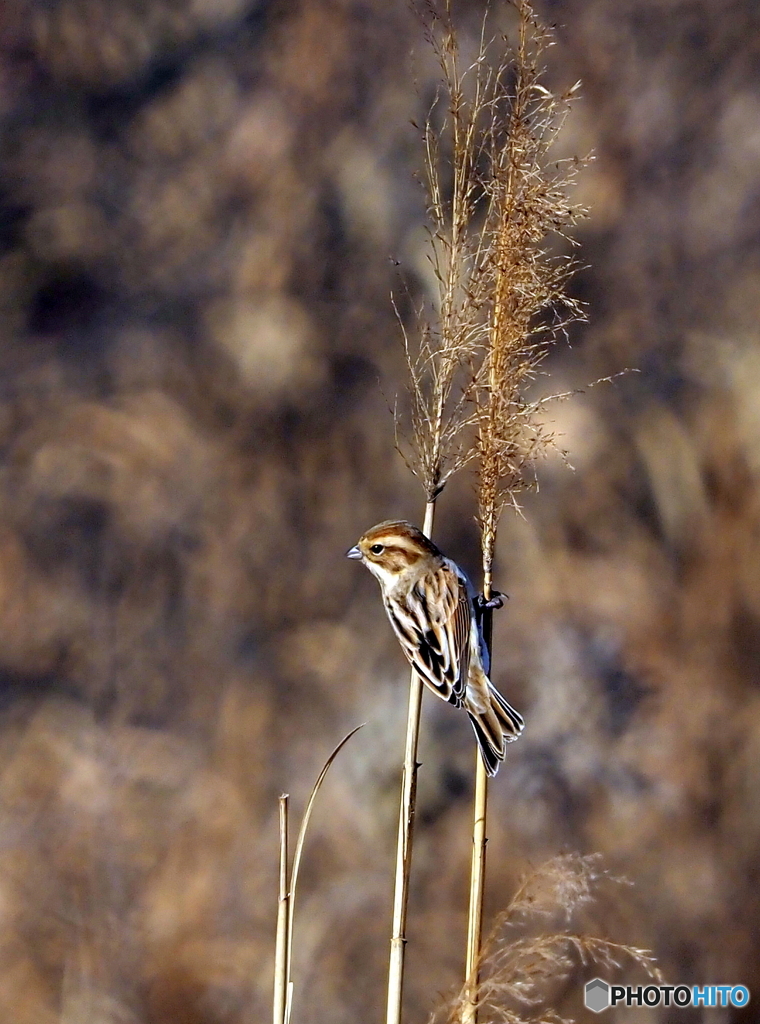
(533, 951)
(495, 201)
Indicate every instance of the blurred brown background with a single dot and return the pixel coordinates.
(204, 207)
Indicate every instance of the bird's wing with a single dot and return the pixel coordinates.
(432, 623)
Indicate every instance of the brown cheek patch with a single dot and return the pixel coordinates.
(398, 559)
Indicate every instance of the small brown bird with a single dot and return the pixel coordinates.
(431, 605)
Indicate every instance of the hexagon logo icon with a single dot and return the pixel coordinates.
(596, 995)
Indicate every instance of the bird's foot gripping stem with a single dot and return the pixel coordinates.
(496, 600)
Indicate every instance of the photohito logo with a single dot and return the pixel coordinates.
(598, 995)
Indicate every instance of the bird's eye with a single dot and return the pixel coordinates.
(377, 549)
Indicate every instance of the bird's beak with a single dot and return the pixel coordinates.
(354, 552)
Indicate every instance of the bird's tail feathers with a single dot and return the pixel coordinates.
(495, 723)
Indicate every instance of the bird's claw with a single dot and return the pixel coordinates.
(496, 600)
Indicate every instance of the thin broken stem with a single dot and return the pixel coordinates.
(282, 943)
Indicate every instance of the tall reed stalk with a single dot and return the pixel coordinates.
(440, 387)
(405, 833)
(494, 201)
(477, 863)
(528, 308)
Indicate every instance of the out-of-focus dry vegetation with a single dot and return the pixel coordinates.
(203, 206)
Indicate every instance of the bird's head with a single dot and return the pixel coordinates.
(392, 548)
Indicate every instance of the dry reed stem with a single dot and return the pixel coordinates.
(405, 834)
(477, 889)
(478, 858)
